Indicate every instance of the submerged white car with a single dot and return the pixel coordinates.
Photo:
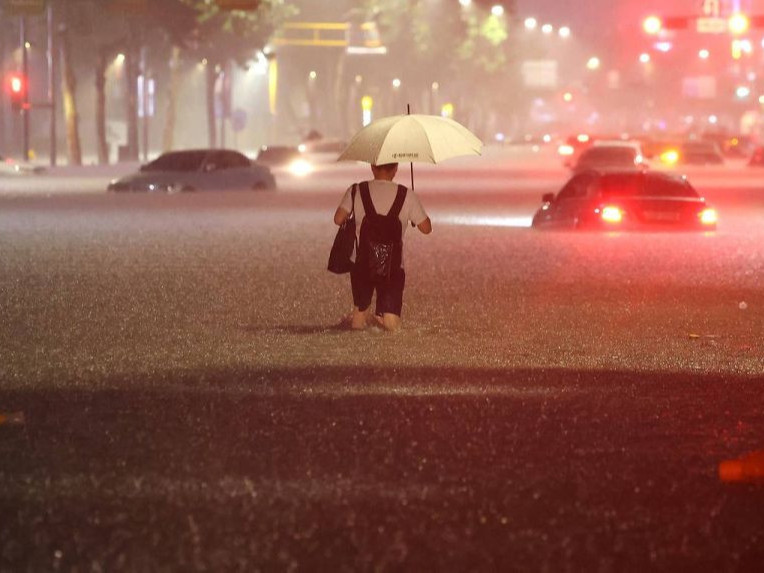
(197, 170)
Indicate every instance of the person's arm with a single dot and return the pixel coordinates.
(343, 211)
(340, 216)
(425, 226)
(417, 213)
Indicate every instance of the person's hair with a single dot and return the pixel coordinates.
(385, 166)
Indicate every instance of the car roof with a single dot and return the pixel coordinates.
(199, 152)
(599, 152)
(279, 148)
(647, 174)
(616, 143)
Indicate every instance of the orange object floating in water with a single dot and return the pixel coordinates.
(12, 419)
(747, 469)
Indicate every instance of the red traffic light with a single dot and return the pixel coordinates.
(16, 84)
(17, 87)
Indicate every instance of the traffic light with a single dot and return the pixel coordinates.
(738, 24)
(653, 25)
(17, 88)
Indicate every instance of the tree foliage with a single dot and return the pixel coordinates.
(222, 36)
(463, 47)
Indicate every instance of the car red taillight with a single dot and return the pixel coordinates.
(611, 214)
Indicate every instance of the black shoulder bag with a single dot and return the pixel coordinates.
(341, 255)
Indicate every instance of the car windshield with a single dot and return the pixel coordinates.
(277, 154)
(618, 155)
(637, 184)
(180, 161)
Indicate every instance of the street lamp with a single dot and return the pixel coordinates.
(593, 63)
(396, 95)
(564, 32)
(547, 29)
(738, 23)
(652, 25)
(644, 57)
(663, 47)
(703, 54)
(530, 23)
(367, 103)
(434, 88)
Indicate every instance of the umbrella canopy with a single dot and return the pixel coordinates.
(411, 138)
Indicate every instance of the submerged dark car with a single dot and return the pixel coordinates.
(197, 170)
(626, 200)
(700, 153)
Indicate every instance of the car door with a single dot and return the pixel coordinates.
(234, 170)
(571, 200)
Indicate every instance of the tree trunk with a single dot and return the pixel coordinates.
(340, 98)
(131, 101)
(2, 92)
(168, 135)
(100, 84)
(69, 90)
(211, 122)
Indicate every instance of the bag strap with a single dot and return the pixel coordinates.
(352, 201)
(400, 197)
(368, 205)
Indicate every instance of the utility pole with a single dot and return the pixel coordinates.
(52, 83)
(2, 92)
(144, 84)
(25, 73)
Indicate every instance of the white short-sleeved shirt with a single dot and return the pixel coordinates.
(383, 194)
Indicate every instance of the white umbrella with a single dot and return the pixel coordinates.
(411, 138)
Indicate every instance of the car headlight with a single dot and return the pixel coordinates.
(708, 216)
(300, 167)
(670, 157)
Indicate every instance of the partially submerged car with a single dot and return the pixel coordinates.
(625, 200)
(9, 166)
(287, 157)
(610, 154)
(197, 170)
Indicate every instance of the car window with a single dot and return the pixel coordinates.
(234, 159)
(577, 187)
(621, 185)
(665, 187)
(177, 161)
(608, 155)
(277, 154)
(630, 185)
(219, 160)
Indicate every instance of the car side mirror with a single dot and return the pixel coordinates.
(547, 197)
